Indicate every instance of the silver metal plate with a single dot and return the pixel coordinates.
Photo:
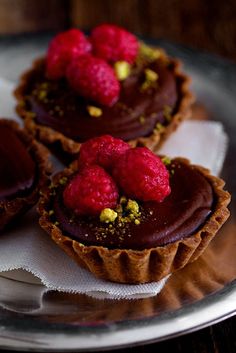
(200, 294)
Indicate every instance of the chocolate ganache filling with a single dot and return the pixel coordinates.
(181, 214)
(17, 168)
(136, 114)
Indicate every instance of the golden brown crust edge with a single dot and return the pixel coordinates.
(13, 208)
(49, 136)
(139, 266)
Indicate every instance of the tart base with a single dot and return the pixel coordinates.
(49, 136)
(138, 266)
(11, 209)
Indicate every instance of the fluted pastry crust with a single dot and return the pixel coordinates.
(139, 266)
(49, 136)
(10, 209)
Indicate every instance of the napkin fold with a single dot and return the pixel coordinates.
(28, 247)
(202, 142)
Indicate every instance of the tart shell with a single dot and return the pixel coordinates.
(138, 266)
(49, 136)
(13, 208)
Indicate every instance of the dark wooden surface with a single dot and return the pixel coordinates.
(204, 24)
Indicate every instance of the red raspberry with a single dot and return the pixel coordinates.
(93, 78)
(113, 43)
(142, 175)
(102, 150)
(90, 191)
(62, 49)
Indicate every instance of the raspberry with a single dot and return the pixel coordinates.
(90, 191)
(113, 43)
(102, 150)
(93, 78)
(142, 175)
(63, 48)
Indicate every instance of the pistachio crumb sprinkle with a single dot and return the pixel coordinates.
(132, 206)
(151, 78)
(108, 215)
(166, 160)
(142, 119)
(167, 110)
(122, 70)
(149, 52)
(123, 200)
(158, 128)
(63, 180)
(151, 75)
(94, 111)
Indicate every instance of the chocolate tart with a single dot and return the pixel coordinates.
(59, 117)
(23, 171)
(170, 234)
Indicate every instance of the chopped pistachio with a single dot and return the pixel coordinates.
(151, 53)
(42, 95)
(119, 209)
(137, 221)
(108, 215)
(131, 217)
(122, 70)
(145, 86)
(159, 127)
(167, 112)
(151, 78)
(151, 75)
(142, 119)
(94, 111)
(166, 160)
(63, 180)
(132, 206)
(123, 199)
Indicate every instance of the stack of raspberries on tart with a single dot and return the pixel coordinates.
(120, 211)
(109, 83)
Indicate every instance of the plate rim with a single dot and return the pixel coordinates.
(220, 297)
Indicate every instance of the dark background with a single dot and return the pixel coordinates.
(204, 24)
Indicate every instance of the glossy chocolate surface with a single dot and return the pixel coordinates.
(136, 113)
(181, 214)
(17, 168)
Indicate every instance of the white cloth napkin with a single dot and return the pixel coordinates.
(29, 248)
(202, 142)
